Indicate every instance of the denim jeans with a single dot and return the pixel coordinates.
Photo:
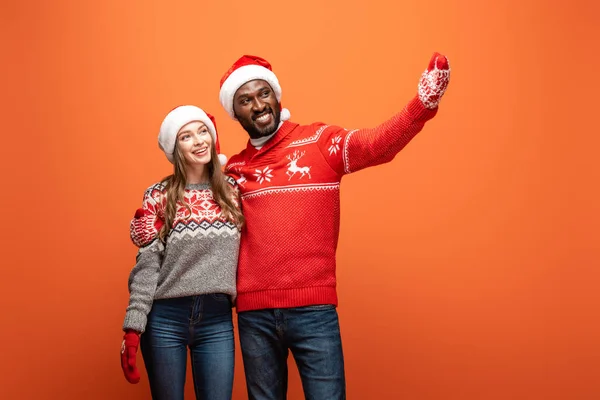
(311, 333)
(204, 325)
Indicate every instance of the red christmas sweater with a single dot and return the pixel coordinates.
(290, 192)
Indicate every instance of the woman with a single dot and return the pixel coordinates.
(182, 287)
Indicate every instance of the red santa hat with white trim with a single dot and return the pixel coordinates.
(176, 119)
(245, 69)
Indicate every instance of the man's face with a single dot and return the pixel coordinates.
(257, 109)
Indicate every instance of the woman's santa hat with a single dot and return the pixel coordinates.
(177, 119)
(245, 69)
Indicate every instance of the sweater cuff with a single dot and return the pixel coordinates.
(417, 111)
(135, 320)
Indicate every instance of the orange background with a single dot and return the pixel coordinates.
(468, 267)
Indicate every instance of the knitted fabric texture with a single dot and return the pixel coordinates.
(199, 257)
(291, 200)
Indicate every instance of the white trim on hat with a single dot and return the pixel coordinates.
(177, 119)
(241, 76)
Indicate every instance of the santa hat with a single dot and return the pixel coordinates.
(246, 69)
(177, 119)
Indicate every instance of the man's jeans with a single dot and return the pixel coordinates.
(312, 334)
(202, 323)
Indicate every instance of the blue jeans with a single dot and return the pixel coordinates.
(202, 323)
(312, 334)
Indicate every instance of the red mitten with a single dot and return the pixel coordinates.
(129, 347)
(434, 81)
(144, 227)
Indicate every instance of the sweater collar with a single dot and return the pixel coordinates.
(285, 128)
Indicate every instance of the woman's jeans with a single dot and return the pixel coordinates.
(202, 323)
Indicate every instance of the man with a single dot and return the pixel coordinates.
(289, 177)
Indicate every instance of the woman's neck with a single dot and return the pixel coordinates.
(196, 174)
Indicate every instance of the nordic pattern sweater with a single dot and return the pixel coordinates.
(199, 257)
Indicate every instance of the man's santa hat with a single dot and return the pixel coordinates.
(245, 69)
(177, 119)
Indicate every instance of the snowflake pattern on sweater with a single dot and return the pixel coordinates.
(199, 256)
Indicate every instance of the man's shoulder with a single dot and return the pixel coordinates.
(310, 133)
(236, 160)
(308, 127)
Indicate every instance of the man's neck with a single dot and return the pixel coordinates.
(258, 143)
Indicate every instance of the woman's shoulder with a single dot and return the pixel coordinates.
(156, 190)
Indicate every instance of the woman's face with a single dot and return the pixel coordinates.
(195, 141)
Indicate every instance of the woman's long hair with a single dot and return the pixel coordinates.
(223, 192)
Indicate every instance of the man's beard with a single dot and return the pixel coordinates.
(256, 132)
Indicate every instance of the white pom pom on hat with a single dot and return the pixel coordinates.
(176, 119)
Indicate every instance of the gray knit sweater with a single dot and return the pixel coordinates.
(199, 257)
